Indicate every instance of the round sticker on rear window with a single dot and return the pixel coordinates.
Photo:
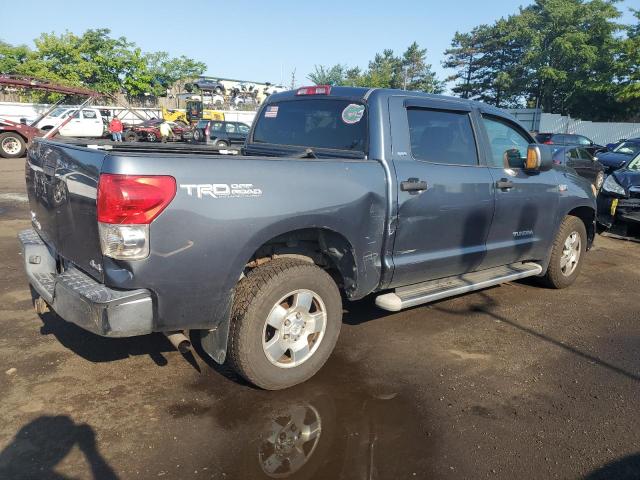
(352, 113)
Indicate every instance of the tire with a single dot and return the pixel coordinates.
(130, 136)
(198, 136)
(561, 273)
(12, 145)
(222, 144)
(268, 296)
(152, 137)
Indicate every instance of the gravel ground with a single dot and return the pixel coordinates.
(512, 382)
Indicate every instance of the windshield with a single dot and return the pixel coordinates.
(634, 164)
(315, 123)
(57, 112)
(628, 148)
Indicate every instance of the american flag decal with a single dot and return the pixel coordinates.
(271, 112)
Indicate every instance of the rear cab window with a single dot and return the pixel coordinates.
(317, 123)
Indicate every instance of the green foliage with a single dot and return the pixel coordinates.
(98, 61)
(567, 56)
(410, 71)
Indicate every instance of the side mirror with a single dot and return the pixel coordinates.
(539, 158)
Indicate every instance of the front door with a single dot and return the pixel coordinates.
(444, 193)
(526, 203)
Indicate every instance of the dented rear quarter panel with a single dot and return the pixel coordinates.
(200, 246)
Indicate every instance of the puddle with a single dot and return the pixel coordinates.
(334, 426)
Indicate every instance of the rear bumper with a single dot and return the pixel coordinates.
(79, 299)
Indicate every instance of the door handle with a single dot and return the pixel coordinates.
(413, 185)
(504, 184)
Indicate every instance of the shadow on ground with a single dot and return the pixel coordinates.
(43, 443)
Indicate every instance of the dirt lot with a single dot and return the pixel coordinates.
(512, 382)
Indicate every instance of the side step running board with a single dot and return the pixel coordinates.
(431, 291)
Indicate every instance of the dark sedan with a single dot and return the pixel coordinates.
(570, 140)
(619, 200)
(621, 155)
(585, 164)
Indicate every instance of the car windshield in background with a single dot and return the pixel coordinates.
(314, 123)
(628, 148)
(634, 164)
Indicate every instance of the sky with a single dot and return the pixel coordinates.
(267, 40)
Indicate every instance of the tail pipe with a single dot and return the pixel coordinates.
(179, 340)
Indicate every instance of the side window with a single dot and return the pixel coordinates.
(583, 140)
(89, 114)
(440, 136)
(243, 129)
(573, 154)
(75, 114)
(584, 154)
(508, 144)
(217, 126)
(231, 128)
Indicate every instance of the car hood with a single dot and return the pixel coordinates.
(613, 159)
(627, 178)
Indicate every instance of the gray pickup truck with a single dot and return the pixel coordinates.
(340, 193)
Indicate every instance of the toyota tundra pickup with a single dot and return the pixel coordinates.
(340, 193)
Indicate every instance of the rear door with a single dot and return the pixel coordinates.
(444, 194)
(525, 204)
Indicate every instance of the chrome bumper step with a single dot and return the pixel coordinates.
(427, 292)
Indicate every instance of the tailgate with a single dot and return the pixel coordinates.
(62, 182)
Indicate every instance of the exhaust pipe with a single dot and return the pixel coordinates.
(179, 340)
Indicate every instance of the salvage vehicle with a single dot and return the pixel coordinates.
(341, 192)
(149, 131)
(85, 123)
(619, 201)
(570, 139)
(585, 164)
(620, 155)
(221, 134)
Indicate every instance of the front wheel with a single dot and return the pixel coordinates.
(285, 323)
(11, 145)
(567, 253)
(599, 181)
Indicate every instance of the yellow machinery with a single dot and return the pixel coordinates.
(195, 111)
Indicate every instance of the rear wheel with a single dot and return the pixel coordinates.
(130, 136)
(285, 323)
(222, 144)
(567, 253)
(12, 145)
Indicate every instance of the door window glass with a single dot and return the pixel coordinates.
(89, 114)
(440, 136)
(573, 154)
(231, 128)
(583, 140)
(243, 129)
(217, 126)
(584, 154)
(508, 145)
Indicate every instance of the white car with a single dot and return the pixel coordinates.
(87, 123)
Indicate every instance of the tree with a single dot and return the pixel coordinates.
(386, 70)
(629, 75)
(565, 55)
(100, 62)
(417, 73)
(322, 75)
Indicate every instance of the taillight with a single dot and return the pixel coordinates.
(316, 90)
(133, 198)
(127, 204)
(548, 142)
(206, 131)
